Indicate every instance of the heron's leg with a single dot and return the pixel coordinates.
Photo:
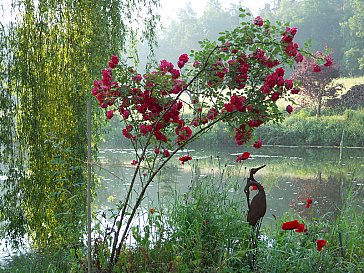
(257, 227)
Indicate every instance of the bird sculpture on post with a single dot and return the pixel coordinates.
(258, 206)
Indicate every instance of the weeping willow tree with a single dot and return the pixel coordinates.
(49, 58)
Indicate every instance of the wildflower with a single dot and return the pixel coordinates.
(243, 156)
(156, 151)
(320, 244)
(185, 158)
(301, 228)
(151, 210)
(288, 84)
(114, 59)
(290, 225)
(309, 202)
(166, 153)
(134, 162)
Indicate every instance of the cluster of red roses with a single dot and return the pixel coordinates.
(300, 227)
(150, 104)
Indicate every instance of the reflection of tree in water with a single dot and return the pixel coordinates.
(326, 195)
(291, 175)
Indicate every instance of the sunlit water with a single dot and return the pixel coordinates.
(291, 175)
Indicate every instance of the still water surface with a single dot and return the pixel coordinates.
(292, 174)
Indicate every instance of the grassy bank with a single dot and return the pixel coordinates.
(303, 129)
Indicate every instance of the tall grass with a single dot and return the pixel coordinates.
(204, 230)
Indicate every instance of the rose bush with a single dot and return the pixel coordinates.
(236, 81)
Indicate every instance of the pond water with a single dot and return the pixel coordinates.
(291, 175)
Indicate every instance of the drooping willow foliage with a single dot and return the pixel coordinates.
(48, 59)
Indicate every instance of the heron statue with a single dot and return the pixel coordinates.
(258, 206)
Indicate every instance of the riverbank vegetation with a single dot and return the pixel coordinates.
(299, 128)
(205, 230)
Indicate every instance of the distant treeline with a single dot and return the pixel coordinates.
(337, 24)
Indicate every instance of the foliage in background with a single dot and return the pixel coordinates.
(353, 34)
(49, 56)
(317, 86)
(303, 129)
(339, 20)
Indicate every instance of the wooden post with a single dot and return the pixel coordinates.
(89, 162)
(341, 146)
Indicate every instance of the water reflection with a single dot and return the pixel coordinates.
(292, 174)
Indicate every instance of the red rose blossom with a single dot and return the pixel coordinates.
(258, 21)
(110, 114)
(316, 68)
(274, 96)
(258, 144)
(166, 153)
(328, 60)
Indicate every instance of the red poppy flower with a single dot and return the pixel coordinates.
(301, 228)
(290, 225)
(309, 202)
(243, 156)
(320, 244)
(185, 158)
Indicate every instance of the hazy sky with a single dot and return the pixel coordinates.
(169, 8)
